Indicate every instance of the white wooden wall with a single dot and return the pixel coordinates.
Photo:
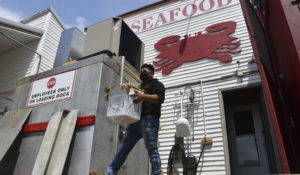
(14, 64)
(21, 62)
(49, 42)
(204, 69)
(38, 22)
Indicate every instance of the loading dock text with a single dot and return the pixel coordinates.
(52, 89)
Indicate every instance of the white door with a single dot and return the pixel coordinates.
(247, 147)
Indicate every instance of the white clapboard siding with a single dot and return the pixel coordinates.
(213, 160)
(52, 36)
(14, 64)
(38, 22)
(50, 39)
(21, 62)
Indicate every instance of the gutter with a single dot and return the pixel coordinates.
(21, 27)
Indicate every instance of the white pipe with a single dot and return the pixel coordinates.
(203, 109)
(175, 116)
(122, 69)
(181, 106)
(118, 126)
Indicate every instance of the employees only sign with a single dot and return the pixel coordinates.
(51, 89)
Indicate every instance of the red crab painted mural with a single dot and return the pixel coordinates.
(215, 44)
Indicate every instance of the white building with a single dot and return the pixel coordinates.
(198, 47)
(236, 119)
(40, 32)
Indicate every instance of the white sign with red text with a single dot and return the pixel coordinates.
(51, 89)
(178, 13)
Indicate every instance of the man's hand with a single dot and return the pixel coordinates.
(147, 97)
(138, 96)
(124, 85)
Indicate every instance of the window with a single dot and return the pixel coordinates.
(245, 138)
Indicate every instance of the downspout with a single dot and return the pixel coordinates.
(266, 89)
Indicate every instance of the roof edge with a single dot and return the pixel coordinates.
(49, 9)
(19, 26)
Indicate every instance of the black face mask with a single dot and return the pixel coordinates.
(144, 76)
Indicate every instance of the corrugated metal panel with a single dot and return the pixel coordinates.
(205, 69)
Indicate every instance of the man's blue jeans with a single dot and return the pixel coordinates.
(147, 128)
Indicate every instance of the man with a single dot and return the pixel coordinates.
(148, 126)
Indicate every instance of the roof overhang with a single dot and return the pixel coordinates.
(18, 31)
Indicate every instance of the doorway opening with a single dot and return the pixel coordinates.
(250, 141)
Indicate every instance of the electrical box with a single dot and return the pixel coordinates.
(121, 109)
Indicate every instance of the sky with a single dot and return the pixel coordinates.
(79, 13)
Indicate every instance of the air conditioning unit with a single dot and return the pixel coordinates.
(114, 35)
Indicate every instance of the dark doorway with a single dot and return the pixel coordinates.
(248, 130)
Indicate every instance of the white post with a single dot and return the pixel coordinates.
(203, 109)
(118, 126)
(122, 69)
(181, 106)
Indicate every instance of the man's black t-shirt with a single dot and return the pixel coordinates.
(153, 86)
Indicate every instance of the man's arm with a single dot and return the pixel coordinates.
(150, 98)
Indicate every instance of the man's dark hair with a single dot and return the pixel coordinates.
(149, 66)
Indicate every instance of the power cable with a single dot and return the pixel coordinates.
(176, 149)
(188, 27)
(27, 47)
(172, 156)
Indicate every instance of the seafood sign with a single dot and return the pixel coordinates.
(177, 13)
(216, 43)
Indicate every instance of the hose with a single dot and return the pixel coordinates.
(177, 147)
(171, 160)
(200, 154)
